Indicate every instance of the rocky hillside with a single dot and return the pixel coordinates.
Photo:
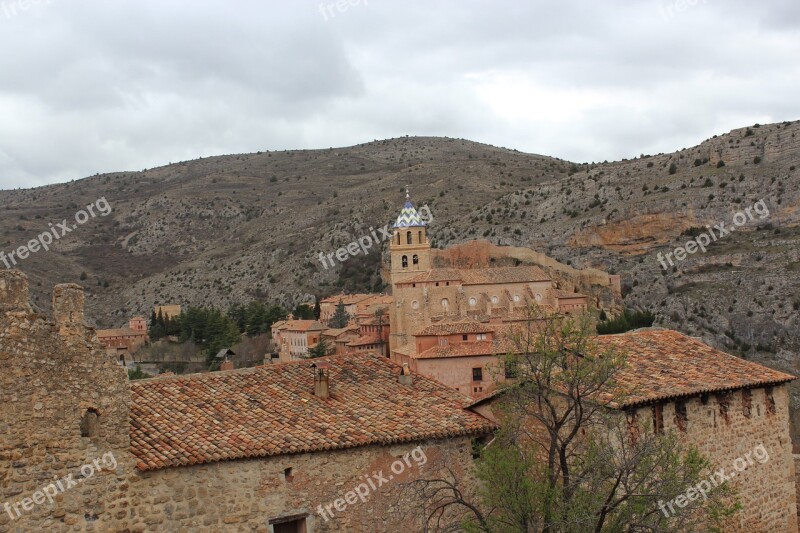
(225, 229)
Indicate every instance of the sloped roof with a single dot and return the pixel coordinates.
(271, 410)
(365, 340)
(452, 328)
(665, 364)
(119, 332)
(481, 276)
(462, 349)
(303, 325)
(488, 276)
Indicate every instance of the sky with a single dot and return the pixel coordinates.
(102, 86)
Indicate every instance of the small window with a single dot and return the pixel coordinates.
(681, 417)
(90, 423)
(442, 341)
(747, 402)
(287, 475)
(464, 337)
(516, 297)
(658, 418)
(408, 237)
(495, 299)
(481, 336)
(293, 524)
(537, 297)
(405, 261)
(473, 301)
(419, 236)
(770, 400)
(445, 303)
(415, 259)
(415, 305)
(477, 374)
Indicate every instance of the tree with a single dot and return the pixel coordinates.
(317, 309)
(563, 460)
(380, 320)
(303, 312)
(340, 317)
(320, 350)
(627, 321)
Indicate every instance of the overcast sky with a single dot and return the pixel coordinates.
(102, 86)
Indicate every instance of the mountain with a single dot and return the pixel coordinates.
(219, 230)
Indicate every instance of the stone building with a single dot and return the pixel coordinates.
(293, 338)
(124, 341)
(424, 295)
(730, 409)
(284, 448)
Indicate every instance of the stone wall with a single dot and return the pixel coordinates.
(56, 385)
(723, 431)
(248, 495)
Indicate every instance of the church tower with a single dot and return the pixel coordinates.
(410, 250)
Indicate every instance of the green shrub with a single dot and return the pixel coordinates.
(627, 321)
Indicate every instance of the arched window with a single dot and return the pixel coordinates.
(419, 239)
(445, 303)
(398, 237)
(405, 261)
(408, 237)
(415, 259)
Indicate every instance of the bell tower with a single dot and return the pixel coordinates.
(410, 250)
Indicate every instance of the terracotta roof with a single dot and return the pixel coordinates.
(518, 274)
(481, 276)
(271, 410)
(119, 332)
(338, 332)
(665, 364)
(461, 349)
(435, 274)
(452, 328)
(303, 325)
(365, 340)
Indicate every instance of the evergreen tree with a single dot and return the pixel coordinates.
(317, 310)
(320, 350)
(304, 312)
(340, 317)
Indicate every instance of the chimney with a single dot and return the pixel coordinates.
(227, 364)
(321, 385)
(13, 291)
(68, 309)
(405, 376)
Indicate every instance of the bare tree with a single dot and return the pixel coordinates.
(567, 458)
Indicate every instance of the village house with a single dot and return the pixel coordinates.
(724, 406)
(124, 341)
(293, 338)
(338, 338)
